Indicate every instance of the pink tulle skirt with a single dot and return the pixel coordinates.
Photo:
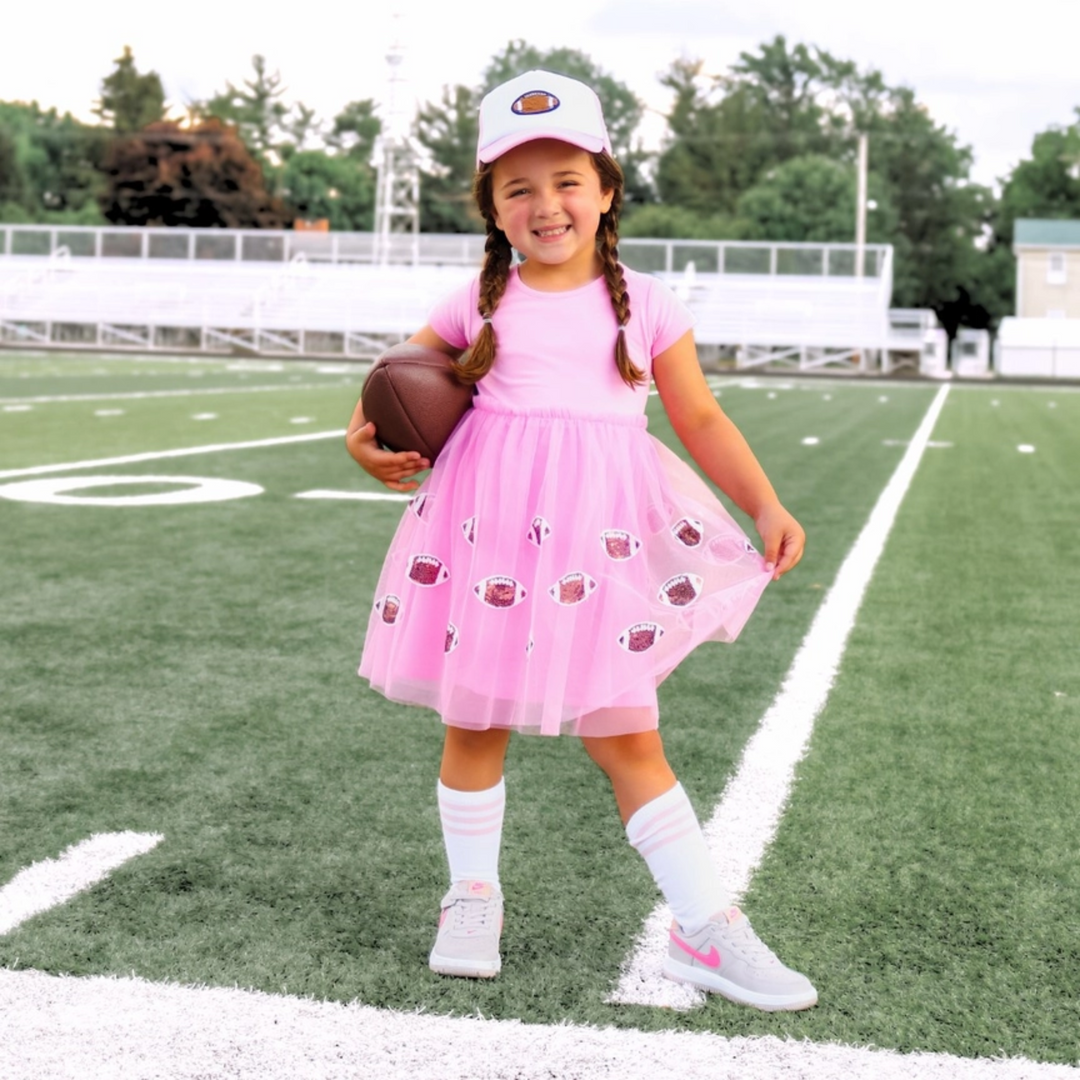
(550, 572)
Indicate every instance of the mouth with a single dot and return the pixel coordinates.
(552, 233)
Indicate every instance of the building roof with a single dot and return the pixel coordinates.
(1044, 232)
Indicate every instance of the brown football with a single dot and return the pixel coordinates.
(414, 399)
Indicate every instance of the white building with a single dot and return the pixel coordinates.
(1043, 339)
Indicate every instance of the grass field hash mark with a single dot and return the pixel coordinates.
(158, 455)
(140, 395)
(51, 882)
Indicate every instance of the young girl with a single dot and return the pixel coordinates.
(558, 562)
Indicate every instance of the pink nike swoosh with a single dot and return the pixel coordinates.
(709, 959)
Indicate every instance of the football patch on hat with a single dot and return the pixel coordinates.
(499, 591)
(641, 637)
(680, 590)
(535, 101)
(427, 570)
(572, 589)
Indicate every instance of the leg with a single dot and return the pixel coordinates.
(661, 824)
(471, 801)
(712, 945)
(473, 760)
(636, 767)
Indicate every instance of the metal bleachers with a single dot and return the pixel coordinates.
(794, 305)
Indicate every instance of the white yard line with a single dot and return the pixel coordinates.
(105, 1028)
(51, 882)
(748, 814)
(137, 395)
(158, 455)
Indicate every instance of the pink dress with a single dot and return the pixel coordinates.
(558, 562)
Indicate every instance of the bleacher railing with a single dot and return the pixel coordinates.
(433, 249)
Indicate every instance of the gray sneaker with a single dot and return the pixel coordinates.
(728, 958)
(469, 929)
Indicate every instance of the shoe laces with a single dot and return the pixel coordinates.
(741, 934)
(471, 915)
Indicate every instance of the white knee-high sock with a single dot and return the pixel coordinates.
(667, 835)
(472, 831)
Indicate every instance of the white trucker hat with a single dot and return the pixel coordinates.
(540, 105)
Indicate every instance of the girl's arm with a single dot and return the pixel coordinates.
(718, 446)
(395, 470)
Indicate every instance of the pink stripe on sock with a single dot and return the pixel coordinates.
(657, 822)
(646, 849)
(448, 831)
(468, 808)
(472, 819)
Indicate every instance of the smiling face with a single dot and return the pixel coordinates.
(548, 200)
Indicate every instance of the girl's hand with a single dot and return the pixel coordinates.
(783, 537)
(387, 466)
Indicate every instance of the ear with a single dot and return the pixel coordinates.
(606, 195)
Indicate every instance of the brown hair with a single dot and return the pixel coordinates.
(496, 272)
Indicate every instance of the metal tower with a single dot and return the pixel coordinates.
(397, 194)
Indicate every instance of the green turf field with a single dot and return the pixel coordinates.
(189, 670)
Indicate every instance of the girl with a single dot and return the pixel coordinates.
(558, 562)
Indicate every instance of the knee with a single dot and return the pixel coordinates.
(618, 753)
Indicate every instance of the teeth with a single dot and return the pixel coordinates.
(552, 232)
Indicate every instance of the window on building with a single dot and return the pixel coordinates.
(1055, 268)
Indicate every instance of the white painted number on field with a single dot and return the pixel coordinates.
(52, 882)
(184, 489)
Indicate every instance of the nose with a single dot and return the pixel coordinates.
(547, 204)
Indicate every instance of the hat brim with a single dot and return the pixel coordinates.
(495, 150)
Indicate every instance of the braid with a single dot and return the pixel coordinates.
(493, 281)
(631, 374)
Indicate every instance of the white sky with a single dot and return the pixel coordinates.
(994, 80)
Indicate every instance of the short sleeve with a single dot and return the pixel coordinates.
(668, 318)
(452, 318)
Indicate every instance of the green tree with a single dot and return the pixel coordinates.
(12, 180)
(726, 130)
(811, 199)
(1044, 185)
(129, 99)
(201, 176)
(355, 130)
(448, 131)
(272, 129)
(56, 175)
(657, 222)
(338, 188)
(734, 141)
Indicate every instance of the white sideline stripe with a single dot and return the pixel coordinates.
(50, 882)
(362, 496)
(158, 455)
(113, 1029)
(746, 818)
(137, 395)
